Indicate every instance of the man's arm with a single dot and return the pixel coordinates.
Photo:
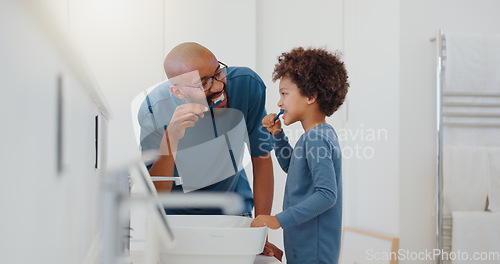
(263, 189)
(184, 116)
(165, 163)
(263, 184)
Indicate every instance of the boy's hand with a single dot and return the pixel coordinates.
(273, 127)
(266, 220)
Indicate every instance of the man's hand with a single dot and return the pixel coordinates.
(185, 116)
(274, 127)
(266, 220)
(273, 223)
(271, 250)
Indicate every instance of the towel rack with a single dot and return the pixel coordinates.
(445, 118)
(489, 119)
(440, 41)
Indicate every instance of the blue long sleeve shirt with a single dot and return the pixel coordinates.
(312, 205)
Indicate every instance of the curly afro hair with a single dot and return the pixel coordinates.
(315, 71)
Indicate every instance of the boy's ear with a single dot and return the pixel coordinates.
(176, 92)
(312, 99)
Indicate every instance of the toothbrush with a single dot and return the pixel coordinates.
(216, 103)
(278, 116)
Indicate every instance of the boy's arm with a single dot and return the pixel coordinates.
(280, 144)
(283, 150)
(325, 186)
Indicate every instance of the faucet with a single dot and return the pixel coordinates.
(229, 203)
(117, 203)
(177, 180)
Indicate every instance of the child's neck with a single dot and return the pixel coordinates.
(312, 121)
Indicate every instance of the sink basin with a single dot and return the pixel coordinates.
(213, 239)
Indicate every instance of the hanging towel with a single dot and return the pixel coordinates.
(472, 63)
(476, 232)
(465, 178)
(494, 179)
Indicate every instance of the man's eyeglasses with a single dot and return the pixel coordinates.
(207, 84)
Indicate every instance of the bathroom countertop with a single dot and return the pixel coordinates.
(138, 257)
(261, 259)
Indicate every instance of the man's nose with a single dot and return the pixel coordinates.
(217, 86)
(280, 103)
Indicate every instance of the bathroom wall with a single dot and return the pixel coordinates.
(49, 195)
(281, 26)
(227, 28)
(372, 56)
(125, 43)
(370, 186)
(388, 120)
(419, 23)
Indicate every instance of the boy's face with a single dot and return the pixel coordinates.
(292, 101)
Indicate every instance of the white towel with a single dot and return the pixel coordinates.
(476, 232)
(465, 178)
(472, 63)
(494, 179)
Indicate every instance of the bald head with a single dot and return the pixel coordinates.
(184, 58)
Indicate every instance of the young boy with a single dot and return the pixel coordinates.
(313, 85)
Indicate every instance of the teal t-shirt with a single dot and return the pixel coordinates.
(246, 99)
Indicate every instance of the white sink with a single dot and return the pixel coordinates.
(213, 239)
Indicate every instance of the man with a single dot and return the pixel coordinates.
(175, 111)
